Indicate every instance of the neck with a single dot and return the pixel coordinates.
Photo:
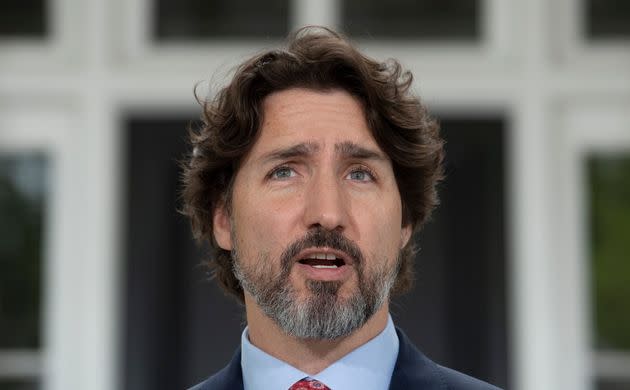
(307, 355)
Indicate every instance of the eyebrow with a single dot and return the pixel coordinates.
(350, 149)
(347, 150)
(300, 150)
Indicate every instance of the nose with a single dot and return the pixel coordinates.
(326, 204)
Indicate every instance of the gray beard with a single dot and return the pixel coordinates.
(323, 314)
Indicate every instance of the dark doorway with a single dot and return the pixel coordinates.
(457, 311)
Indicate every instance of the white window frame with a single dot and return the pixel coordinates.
(54, 52)
(531, 65)
(588, 127)
(35, 125)
(136, 49)
(572, 46)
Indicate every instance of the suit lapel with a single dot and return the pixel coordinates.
(233, 378)
(413, 370)
(229, 378)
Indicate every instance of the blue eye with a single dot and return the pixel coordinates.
(360, 175)
(282, 173)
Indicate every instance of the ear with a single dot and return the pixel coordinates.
(405, 235)
(222, 228)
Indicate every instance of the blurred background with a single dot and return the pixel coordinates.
(523, 277)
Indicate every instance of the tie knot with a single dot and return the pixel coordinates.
(308, 384)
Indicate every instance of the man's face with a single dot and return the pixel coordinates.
(315, 222)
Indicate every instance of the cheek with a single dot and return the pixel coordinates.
(380, 229)
(383, 217)
(263, 223)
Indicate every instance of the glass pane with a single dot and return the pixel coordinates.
(607, 18)
(613, 384)
(412, 19)
(610, 224)
(21, 384)
(23, 18)
(195, 19)
(22, 200)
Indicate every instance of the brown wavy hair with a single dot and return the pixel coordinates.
(320, 59)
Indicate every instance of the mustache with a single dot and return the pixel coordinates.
(319, 238)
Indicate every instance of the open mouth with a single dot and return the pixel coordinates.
(323, 261)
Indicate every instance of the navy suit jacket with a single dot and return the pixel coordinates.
(413, 370)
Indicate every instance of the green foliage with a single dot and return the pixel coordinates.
(610, 222)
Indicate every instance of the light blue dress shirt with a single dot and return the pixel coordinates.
(368, 367)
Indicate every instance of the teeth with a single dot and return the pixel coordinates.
(325, 266)
(324, 256)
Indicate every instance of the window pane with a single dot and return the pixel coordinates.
(607, 18)
(22, 198)
(613, 384)
(15, 384)
(23, 18)
(412, 19)
(610, 224)
(195, 19)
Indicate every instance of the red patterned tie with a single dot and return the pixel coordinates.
(308, 384)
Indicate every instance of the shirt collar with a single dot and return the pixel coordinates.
(368, 367)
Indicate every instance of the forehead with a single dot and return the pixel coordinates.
(324, 118)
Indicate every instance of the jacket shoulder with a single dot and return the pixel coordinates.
(229, 378)
(414, 370)
(455, 380)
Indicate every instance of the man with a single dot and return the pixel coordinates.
(313, 170)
